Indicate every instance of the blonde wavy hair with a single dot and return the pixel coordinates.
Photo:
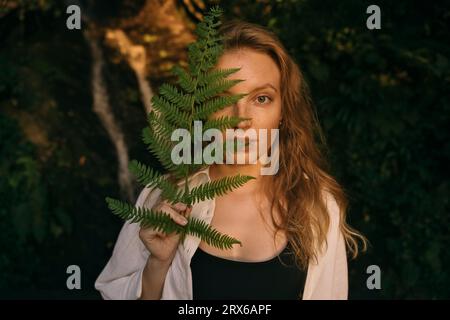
(297, 190)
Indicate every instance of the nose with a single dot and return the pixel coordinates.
(240, 110)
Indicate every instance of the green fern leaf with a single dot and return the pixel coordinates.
(199, 92)
(171, 113)
(216, 188)
(216, 75)
(213, 89)
(185, 80)
(144, 175)
(223, 122)
(216, 104)
(162, 222)
(181, 101)
(161, 148)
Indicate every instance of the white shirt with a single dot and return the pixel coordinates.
(122, 276)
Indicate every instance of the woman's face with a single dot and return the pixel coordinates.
(262, 84)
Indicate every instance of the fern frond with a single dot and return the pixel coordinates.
(157, 144)
(216, 104)
(202, 230)
(144, 175)
(203, 53)
(213, 89)
(145, 217)
(198, 94)
(216, 188)
(223, 122)
(180, 100)
(162, 222)
(170, 192)
(216, 11)
(215, 75)
(162, 149)
(159, 125)
(170, 111)
(186, 81)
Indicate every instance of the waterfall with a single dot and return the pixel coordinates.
(146, 92)
(102, 108)
(136, 57)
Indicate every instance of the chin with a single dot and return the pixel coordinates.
(246, 155)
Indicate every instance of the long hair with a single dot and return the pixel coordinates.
(300, 189)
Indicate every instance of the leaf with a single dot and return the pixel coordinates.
(216, 104)
(213, 89)
(145, 175)
(223, 122)
(200, 93)
(162, 222)
(215, 188)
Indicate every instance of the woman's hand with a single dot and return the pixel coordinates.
(163, 246)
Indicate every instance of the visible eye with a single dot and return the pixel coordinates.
(263, 99)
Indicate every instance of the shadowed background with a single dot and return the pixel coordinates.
(73, 103)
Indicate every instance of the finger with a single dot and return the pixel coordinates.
(187, 212)
(149, 233)
(179, 206)
(157, 234)
(178, 218)
(160, 204)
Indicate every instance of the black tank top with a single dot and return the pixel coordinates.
(219, 278)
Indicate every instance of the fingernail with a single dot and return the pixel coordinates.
(183, 220)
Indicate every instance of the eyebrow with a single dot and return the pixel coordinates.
(264, 86)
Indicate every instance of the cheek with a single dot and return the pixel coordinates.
(268, 118)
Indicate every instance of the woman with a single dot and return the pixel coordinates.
(292, 224)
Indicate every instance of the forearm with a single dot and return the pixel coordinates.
(153, 278)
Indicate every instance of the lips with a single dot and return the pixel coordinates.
(238, 137)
